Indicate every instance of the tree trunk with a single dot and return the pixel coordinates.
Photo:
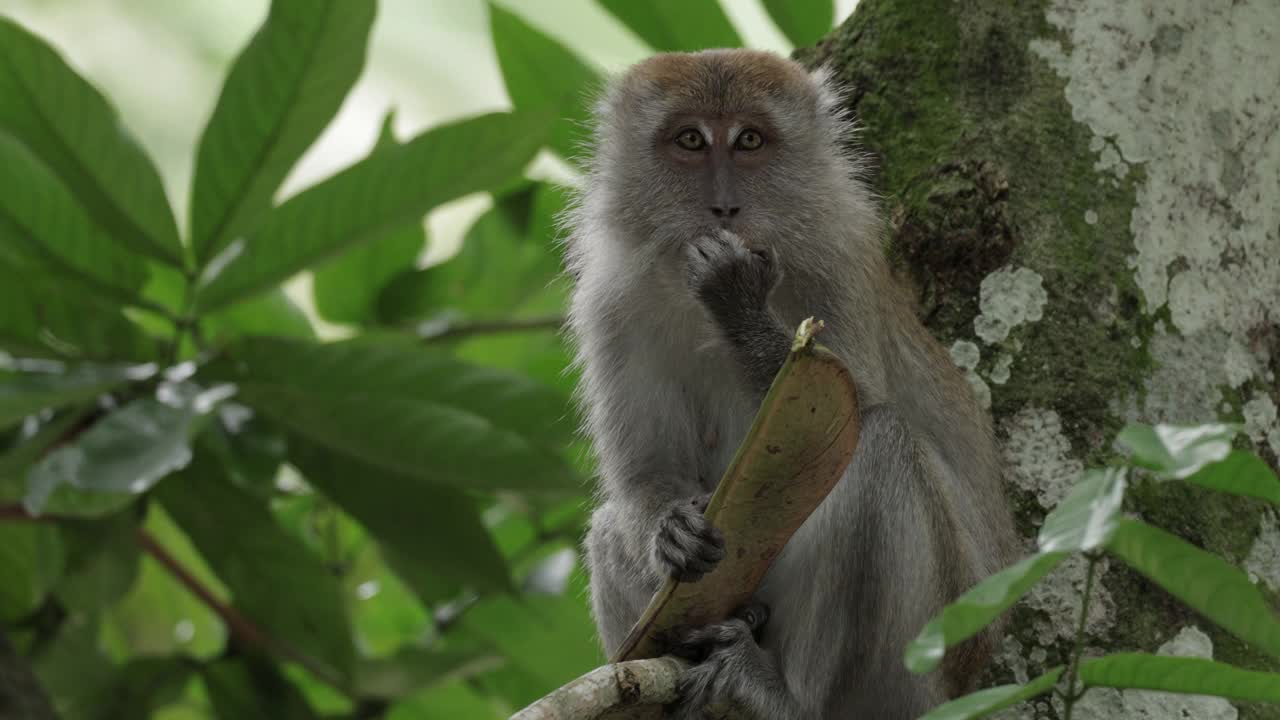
(1086, 194)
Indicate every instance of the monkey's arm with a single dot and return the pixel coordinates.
(734, 284)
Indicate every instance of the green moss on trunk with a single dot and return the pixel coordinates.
(973, 146)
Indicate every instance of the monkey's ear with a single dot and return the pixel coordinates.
(831, 93)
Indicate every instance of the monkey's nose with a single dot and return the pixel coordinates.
(724, 211)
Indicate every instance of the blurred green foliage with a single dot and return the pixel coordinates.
(205, 510)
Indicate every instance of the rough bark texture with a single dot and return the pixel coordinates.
(1087, 196)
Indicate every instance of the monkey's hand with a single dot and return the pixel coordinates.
(730, 278)
(686, 546)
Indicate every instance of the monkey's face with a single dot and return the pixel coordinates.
(742, 140)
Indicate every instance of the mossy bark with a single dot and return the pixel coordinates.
(971, 141)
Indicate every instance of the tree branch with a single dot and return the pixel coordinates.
(241, 628)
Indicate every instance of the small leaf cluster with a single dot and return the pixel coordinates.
(208, 511)
(1089, 521)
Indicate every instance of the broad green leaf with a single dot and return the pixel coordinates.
(31, 561)
(138, 688)
(346, 288)
(1085, 519)
(273, 314)
(280, 93)
(976, 609)
(72, 128)
(507, 258)
(523, 628)
(31, 386)
(1202, 580)
(991, 700)
(253, 689)
(72, 668)
(448, 702)
(385, 191)
(435, 531)
(41, 317)
(120, 456)
(102, 561)
(409, 410)
(542, 76)
(160, 615)
(412, 670)
(804, 22)
(1190, 675)
(39, 211)
(676, 25)
(1241, 473)
(28, 451)
(1177, 451)
(260, 564)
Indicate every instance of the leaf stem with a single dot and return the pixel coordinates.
(1072, 694)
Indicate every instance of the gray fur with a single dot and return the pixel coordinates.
(673, 372)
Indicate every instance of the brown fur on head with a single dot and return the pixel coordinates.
(656, 191)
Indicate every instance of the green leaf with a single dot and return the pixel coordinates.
(281, 92)
(408, 410)
(506, 259)
(261, 564)
(31, 386)
(72, 128)
(804, 22)
(413, 669)
(273, 314)
(253, 689)
(991, 700)
(448, 702)
(1241, 473)
(15, 463)
(1177, 451)
(1085, 519)
(523, 628)
(346, 287)
(159, 615)
(543, 77)
(385, 191)
(1190, 675)
(139, 688)
(120, 457)
(41, 317)
(976, 609)
(1202, 580)
(31, 561)
(39, 211)
(435, 531)
(677, 25)
(102, 562)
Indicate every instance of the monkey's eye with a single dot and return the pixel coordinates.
(690, 139)
(749, 140)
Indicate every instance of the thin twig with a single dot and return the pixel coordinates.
(240, 627)
(1072, 695)
(454, 331)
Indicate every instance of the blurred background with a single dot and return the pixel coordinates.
(432, 62)
(333, 475)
